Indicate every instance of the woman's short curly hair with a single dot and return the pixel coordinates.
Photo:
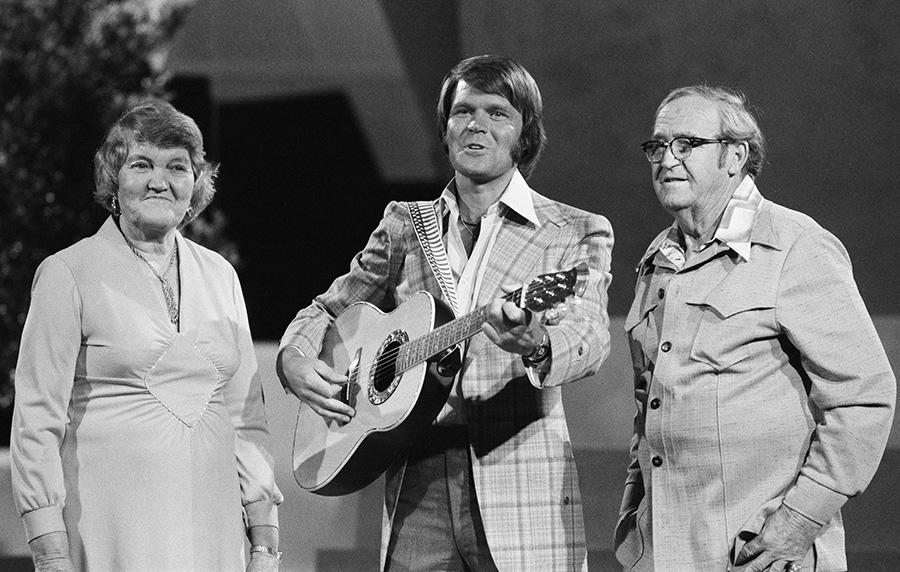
(500, 75)
(153, 122)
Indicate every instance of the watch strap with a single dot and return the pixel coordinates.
(540, 353)
(266, 550)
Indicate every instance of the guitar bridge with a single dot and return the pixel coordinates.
(348, 393)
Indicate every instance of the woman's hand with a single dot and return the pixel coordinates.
(262, 562)
(263, 535)
(50, 552)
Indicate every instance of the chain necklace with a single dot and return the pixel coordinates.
(473, 228)
(168, 292)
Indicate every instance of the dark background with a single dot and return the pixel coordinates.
(302, 188)
(302, 191)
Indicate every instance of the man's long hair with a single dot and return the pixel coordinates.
(498, 75)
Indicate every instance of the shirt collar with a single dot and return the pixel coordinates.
(516, 197)
(734, 230)
(740, 214)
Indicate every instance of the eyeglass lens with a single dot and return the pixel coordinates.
(681, 149)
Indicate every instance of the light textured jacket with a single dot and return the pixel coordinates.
(757, 382)
(523, 467)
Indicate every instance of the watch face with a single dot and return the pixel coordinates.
(539, 355)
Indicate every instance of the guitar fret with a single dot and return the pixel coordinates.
(445, 336)
(463, 328)
(403, 357)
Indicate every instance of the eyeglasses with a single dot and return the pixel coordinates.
(681, 147)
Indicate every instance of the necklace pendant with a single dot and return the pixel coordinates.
(171, 303)
(168, 293)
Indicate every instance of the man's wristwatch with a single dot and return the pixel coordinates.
(540, 353)
(266, 550)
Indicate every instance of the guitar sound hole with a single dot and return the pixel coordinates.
(386, 369)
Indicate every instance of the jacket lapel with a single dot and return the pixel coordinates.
(517, 250)
(515, 258)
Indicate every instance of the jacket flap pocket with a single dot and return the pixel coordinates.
(727, 302)
(731, 325)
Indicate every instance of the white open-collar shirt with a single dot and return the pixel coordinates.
(468, 270)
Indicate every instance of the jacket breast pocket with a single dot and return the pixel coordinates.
(731, 324)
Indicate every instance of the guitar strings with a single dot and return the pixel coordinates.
(391, 354)
(385, 362)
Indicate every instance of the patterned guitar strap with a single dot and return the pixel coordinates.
(428, 231)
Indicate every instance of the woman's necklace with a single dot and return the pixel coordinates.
(168, 292)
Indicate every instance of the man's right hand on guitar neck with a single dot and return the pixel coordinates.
(314, 383)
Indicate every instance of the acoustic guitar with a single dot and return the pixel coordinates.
(400, 368)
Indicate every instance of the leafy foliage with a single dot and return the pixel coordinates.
(67, 71)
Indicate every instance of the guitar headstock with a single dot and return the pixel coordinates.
(547, 290)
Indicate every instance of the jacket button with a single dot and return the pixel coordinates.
(666, 346)
(657, 461)
(661, 293)
(654, 403)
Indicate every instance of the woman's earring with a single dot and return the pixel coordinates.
(114, 203)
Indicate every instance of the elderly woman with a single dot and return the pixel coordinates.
(138, 429)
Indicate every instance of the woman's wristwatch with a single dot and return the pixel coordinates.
(540, 353)
(266, 550)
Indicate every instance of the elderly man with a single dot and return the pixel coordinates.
(492, 483)
(764, 396)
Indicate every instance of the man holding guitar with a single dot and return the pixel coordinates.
(480, 473)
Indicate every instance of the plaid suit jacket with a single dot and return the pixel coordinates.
(523, 467)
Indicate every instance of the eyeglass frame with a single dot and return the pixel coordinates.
(692, 141)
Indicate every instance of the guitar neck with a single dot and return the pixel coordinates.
(443, 337)
(538, 295)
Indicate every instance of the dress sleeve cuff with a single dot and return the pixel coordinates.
(813, 500)
(297, 342)
(305, 341)
(43, 521)
(262, 513)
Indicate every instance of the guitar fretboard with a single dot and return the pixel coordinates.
(539, 295)
(448, 335)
